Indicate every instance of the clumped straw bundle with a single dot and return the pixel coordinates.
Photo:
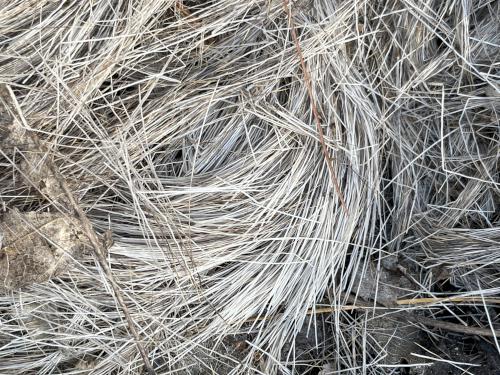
(270, 172)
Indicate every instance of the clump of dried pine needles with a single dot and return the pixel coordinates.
(292, 187)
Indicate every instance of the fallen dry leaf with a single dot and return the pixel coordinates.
(36, 246)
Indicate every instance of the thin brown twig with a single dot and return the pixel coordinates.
(314, 108)
(99, 251)
(441, 324)
(453, 326)
(364, 305)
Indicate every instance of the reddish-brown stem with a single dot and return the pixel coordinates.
(314, 108)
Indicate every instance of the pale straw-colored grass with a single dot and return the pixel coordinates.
(185, 128)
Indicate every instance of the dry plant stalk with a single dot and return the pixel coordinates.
(44, 176)
(314, 108)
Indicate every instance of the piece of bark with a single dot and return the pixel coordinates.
(392, 336)
(383, 286)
